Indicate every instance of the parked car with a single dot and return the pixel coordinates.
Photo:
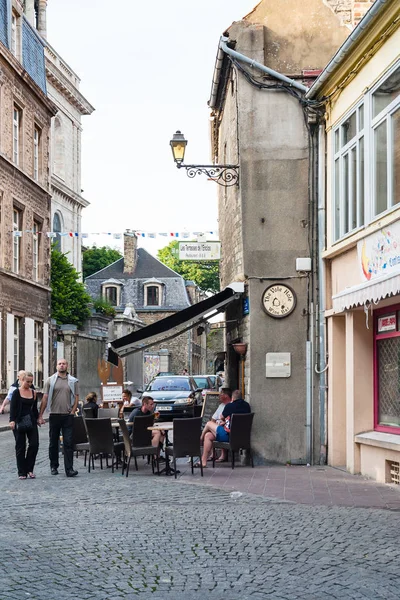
(174, 396)
(205, 383)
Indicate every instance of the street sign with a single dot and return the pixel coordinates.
(199, 250)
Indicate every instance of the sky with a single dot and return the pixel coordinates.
(147, 69)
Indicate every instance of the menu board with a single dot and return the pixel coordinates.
(210, 405)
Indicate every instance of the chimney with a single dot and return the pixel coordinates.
(41, 18)
(30, 11)
(358, 10)
(130, 251)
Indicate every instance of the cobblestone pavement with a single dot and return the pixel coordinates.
(103, 536)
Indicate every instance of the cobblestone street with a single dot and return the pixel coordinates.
(102, 536)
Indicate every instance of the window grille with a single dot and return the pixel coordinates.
(389, 381)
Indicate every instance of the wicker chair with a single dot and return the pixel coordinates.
(239, 437)
(140, 444)
(101, 442)
(108, 413)
(186, 440)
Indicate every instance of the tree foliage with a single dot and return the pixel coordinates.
(69, 299)
(204, 273)
(94, 259)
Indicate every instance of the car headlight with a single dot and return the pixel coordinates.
(184, 401)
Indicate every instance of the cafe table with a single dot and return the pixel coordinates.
(165, 426)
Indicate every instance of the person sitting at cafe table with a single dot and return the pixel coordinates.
(147, 408)
(91, 402)
(237, 406)
(225, 397)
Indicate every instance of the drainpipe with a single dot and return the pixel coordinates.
(224, 48)
(322, 366)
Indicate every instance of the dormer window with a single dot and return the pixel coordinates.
(153, 292)
(111, 292)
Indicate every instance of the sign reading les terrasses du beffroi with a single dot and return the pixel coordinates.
(199, 250)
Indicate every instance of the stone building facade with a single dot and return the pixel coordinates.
(66, 189)
(141, 284)
(25, 121)
(267, 221)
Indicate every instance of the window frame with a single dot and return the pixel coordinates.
(17, 123)
(17, 226)
(369, 180)
(16, 346)
(148, 286)
(117, 288)
(36, 233)
(37, 142)
(37, 351)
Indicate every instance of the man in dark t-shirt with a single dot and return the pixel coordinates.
(147, 408)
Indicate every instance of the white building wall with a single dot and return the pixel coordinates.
(29, 334)
(10, 349)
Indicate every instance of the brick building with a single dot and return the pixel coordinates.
(63, 89)
(152, 291)
(26, 114)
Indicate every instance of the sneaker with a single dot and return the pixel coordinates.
(54, 471)
(71, 473)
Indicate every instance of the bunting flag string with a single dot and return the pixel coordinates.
(116, 236)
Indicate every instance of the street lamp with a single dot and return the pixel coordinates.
(225, 175)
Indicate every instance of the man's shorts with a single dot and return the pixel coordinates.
(221, 434)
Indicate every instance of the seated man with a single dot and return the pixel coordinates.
(147, 408)
(210, 430)
(237, 406)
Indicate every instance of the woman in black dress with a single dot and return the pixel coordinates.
(24, 402)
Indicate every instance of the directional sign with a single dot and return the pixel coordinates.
(199, 250)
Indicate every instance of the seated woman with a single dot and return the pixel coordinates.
(91, 402)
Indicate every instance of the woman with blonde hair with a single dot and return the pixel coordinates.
(23, 422)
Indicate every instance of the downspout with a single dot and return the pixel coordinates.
(346, 47)
(224, 48)
(322, 366)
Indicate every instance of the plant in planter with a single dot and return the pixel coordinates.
(104, 308)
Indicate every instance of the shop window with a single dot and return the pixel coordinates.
(387, 372)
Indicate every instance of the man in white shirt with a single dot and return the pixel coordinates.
(209, 431)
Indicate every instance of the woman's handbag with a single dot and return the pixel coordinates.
(25, 423)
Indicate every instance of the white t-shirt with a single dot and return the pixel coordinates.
(217, 415)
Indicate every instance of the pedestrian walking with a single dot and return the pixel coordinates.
(10, 392)
(61, 393)
(23, 422)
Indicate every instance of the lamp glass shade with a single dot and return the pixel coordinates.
(178, 145)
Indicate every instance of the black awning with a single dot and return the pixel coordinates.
(173, 325)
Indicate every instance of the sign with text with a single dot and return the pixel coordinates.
(387, 323)
(111, 393)
(210, 405)
(199, 250)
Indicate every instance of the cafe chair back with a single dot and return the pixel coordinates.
(197, 410)
(79, 436)
(140, 444)
(108, 413)
(101, 440)
(186, 440)
(88, 413)
(239, 437)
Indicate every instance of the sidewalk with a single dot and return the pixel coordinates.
(318, 485)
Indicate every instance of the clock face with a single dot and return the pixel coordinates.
(278, 300)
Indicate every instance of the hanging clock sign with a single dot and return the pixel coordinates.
(279, 300)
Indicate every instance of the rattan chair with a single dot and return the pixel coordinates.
(186, 440)
(239, 437)
(142, 446)
(101, 442)
(79, 436)
(88, 413)
(197, 410)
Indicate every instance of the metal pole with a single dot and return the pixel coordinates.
(309, 402)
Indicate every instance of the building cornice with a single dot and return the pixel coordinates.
(64, 190)
(27, 79)
(21, 279)
(67, 89)
(35, 185)
(362, 50)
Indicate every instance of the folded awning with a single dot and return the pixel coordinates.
(370, 291)
(174, 325)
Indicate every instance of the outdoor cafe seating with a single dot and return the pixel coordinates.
(239, 437)
(101, 441)
(186, 441)
(140, 443)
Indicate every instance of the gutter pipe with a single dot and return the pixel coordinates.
(224, 49)
(322, 367)
(347, 47)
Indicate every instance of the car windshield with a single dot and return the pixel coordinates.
(201, 382)
(170, 384)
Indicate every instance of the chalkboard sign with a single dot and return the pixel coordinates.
(210, 405)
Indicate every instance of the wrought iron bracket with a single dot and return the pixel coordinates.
(225, 175)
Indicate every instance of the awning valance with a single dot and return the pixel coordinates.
(371, 291)
(175, 324)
